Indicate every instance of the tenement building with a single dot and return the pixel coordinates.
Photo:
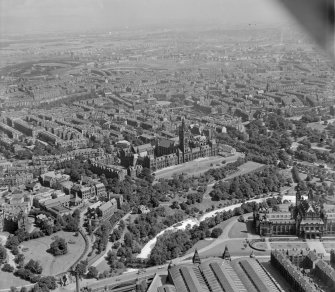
(291, 273)
(307, 219)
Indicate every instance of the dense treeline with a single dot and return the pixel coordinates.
(262, 140)
(222, 172)
(147, 226)
(249, 185)
(103, 232)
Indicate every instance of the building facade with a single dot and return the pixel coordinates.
(306, 219)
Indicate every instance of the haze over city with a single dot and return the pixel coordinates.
(32, 16)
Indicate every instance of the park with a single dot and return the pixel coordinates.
(53, 265)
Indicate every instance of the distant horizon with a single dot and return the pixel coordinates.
(25, 17)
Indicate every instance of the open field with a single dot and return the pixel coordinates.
(8, 280)
(288, 245)
(235, 247)
(239, 230)
(199, 245)
(37, 250)
(317, 126)
(103, 266)
(328, 245)
(245, 168)
(226, 223)
(281, 245)
(196, 167)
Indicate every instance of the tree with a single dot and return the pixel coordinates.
(80, 269)
(21, 234)
(15, 250)
(146, 175)
(19, 259)
(111, 259)
(47, 281)
(12, 241)
(34, 267)
(58, 247)
(3, 254)
(275, 208)
(7, 268)
(238, 211)
(216, 232)
(128, 239)
(92, 272)
(175, 205)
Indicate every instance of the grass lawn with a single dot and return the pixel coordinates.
(245, 168)
(194, 167)
(8, 280)
(37, 250)
(239, 230)
(328, 245)
(288, 245)
(224, 224)
(103, 266)
(235, 247)
(199, 245)
(316, 126)
(205, 204)
(260, 245)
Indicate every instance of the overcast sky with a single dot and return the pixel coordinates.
(24, 16)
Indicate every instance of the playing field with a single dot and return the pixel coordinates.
(37, 250)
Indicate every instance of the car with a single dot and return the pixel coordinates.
(117, 279)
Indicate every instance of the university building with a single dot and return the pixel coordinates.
(169, 152)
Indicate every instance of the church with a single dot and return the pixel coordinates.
(307, 219)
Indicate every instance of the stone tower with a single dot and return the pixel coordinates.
(226, 254)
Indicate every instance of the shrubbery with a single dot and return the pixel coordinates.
(58, 247)
(8, 268)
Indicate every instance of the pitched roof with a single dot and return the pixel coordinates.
(166, 143)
